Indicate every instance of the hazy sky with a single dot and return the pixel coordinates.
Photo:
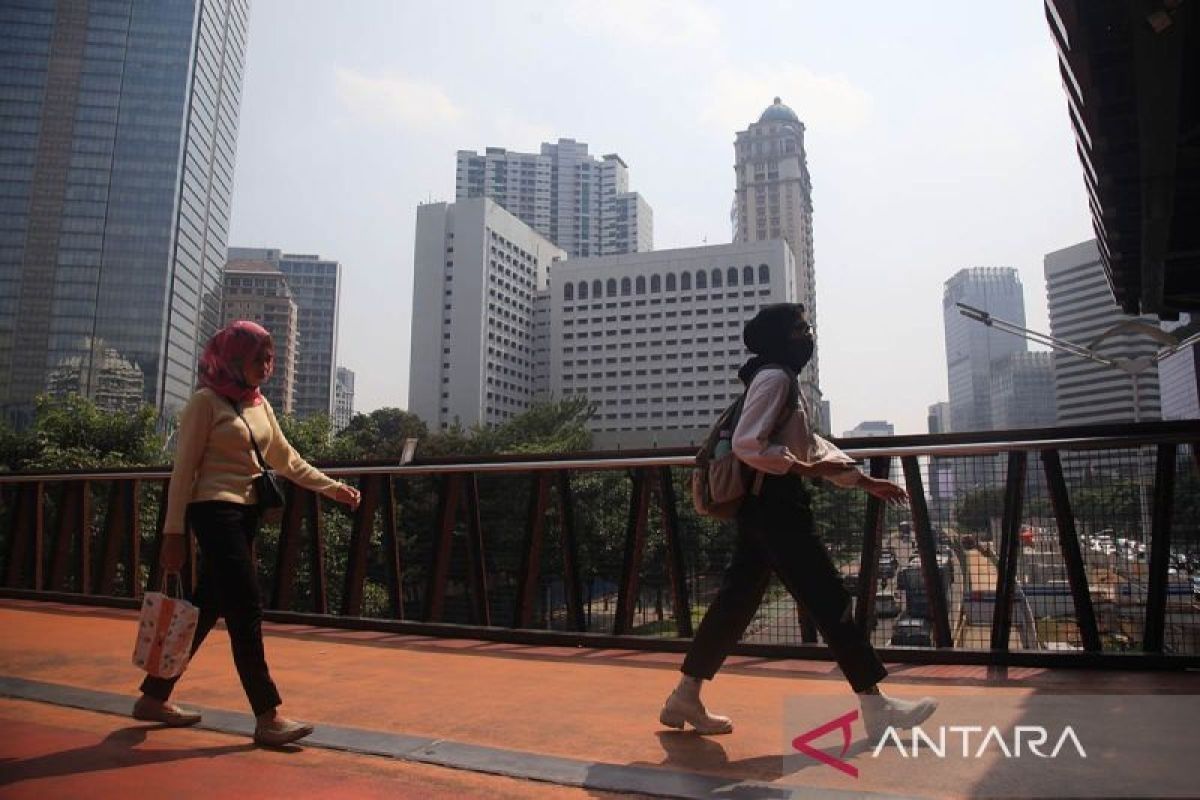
(937, 139)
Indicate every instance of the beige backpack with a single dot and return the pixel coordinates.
(720, 481)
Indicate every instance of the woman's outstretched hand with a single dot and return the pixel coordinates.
(885, 490)
(348, 495)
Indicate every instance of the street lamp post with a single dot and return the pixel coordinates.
(1133, 367)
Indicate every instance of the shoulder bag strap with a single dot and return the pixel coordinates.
(262, 462)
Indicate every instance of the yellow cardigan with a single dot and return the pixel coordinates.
(214, 459)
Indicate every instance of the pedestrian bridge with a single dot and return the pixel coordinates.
(510, 626)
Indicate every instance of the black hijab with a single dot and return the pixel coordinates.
(769, 337)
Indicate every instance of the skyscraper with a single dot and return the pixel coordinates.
(257, 291)
(1081, 309)
(118, 124)
(316, 285)
(343, 400)
(773, 199)
(477, 273)
(1023, 391)
(972, 349)
(580, 203)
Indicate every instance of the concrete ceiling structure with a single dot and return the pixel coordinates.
(1131, 70)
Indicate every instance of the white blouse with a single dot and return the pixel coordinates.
(794, 443)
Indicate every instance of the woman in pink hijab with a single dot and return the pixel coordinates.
(225, 433)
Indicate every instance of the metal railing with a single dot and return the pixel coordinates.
(1084, 555)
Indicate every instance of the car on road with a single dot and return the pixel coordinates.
(912, 632)
(886, 604)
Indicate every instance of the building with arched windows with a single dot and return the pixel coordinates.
(655, 339)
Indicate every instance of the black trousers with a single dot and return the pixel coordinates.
(776, 533)
(228, 587)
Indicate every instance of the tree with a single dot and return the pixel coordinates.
(71, 433)
(378, 435)
(977, 507)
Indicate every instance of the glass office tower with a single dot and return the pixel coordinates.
(118, 125)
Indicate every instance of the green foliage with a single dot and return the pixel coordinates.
(311, 437)
(976, 507)
(71, 433)
(378, 435)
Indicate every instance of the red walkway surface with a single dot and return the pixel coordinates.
(596, 706)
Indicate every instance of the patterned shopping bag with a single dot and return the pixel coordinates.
(165, 630)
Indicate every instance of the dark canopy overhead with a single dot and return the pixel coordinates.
(1131, 70)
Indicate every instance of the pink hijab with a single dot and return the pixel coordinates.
(221, 365)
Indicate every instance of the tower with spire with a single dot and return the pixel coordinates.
(773, 200)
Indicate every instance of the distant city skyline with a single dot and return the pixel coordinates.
(922, 159)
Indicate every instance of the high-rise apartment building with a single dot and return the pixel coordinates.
(655, 339)
(1023, 391)
(118, 124)
(343, 399)
(580, 203)
(477, 273)
(1082, 310)
(258, 291)
(973, 348)
(773, 200)
(316, 285)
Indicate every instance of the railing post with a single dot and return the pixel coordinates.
(935, 589)
(316, 529)
(1006, 571)
(476, 556)
(154, 577)
(676, 569)
(1160, 550)
(360, 543)
(289, 545)
(570, 554)
(868, 565)
(26, 537)
(1068, 542)
(439, 557)
(635, 540)
(68, 525)
(531, 553)
(391, 547)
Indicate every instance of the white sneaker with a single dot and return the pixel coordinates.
(678, 710)
(881, 712)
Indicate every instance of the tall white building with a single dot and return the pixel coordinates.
(477, 272)
(655, 339)
(1081, 309)
(581, 203)
(773, 200)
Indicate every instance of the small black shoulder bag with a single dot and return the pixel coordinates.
(268, 486)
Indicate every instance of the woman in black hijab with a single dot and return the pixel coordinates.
(776, 533)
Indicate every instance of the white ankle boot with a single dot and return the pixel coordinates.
(881, 712)
(681, 708)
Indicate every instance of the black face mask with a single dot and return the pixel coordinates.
(797, 353)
